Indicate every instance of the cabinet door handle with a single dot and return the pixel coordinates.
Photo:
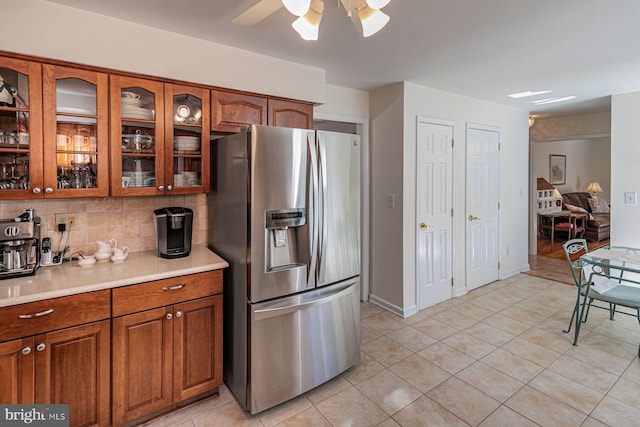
(169, 316)
(41, 346)
(33, 315)
(161, 188)
(174, 288)
(178, 314)
(36, 190)
(48, 190)
(26, 350)
(169, 188)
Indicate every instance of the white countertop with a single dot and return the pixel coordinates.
(69, 278)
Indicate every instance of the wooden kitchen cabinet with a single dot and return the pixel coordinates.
(231, 111)
(76, 132)
(20, 129)
(43, 364)
(290, 114)
(164, 355)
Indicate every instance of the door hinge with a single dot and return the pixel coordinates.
(452, 282)
(498, 266)
(451, 142)
(499, 145)
(498, 205)
(451, 211)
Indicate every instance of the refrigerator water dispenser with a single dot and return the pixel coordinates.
(282, 227)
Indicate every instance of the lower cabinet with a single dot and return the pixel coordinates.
(165, 355)
(68, 366)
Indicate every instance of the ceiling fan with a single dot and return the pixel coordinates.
(368, 18)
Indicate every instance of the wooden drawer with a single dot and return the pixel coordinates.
(145, 296)
(37, 317)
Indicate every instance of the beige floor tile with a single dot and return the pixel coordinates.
(543, 309)
(592, 422)
(327, 389)
(383, 322)
(505, 417)
(411, 338)
(351, 408)
(455, 319)
(419, 372)
(286, 410)
(180, 418)
(209, 405)
(427, 413)
(447, 358)
(489, 302)
(555, 342)
(390, 392)
(588, 375)
(389, 422)
(386, 351)
(368, 309)
(434, 328)
(489, 334)
(506, 324)
(368, 334)
(367, 367)
(532, 352)
(310, 417)
(464, 401)
(469, 345)
(525, 316)
(424, 314)
(633, 371)
(564, 390)
(544, 410)
(612, 329)
(627, 392)
(615, 413)
(596, 357)
(227, 414)
(515, 366)
(610, 345)
(473, 311)
(490, 381)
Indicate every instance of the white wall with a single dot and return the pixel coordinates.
(397, 282)
(588, 160)
(344, 101)
(625, 173)
(49, 30)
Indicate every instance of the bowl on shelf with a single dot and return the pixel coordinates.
(87, 261)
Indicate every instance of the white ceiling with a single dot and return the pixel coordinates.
(484, 49)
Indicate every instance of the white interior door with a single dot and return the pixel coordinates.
(434, 226)
(482, 215)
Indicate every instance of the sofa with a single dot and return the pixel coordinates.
(597, 226)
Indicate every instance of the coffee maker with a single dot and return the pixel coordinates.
(173, 231)
(19, 241)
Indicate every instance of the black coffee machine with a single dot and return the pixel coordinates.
(173, 231)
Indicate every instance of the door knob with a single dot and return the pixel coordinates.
(424, 226)
(473, 218)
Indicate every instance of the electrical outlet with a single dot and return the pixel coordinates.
(68, 219)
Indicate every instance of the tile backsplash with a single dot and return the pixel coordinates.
(129, 220)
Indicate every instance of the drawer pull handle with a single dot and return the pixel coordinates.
(26, 350)
(174, 288)
(169, 316)
(34, 315)
(178, 314)
(41, 346)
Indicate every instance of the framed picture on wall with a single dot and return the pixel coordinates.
(557, 169)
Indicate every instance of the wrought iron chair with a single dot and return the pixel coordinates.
(605, 284)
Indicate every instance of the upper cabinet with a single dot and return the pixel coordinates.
(159, 138)
(290, 114)
(20, 129)
(76, 133)
(231, 111)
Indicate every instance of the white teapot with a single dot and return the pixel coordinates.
(105, 249)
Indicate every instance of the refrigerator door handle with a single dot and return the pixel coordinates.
(320, 299)
(312, 212)
(322, 196)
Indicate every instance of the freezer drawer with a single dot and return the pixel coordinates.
(300, 342)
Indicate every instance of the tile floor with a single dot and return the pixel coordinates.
(494, 357)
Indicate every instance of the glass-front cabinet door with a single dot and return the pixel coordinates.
(75, 133)
(187, 139)
(137, 137)
(20, 129)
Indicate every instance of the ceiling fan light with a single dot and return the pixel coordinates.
(377, 4)
(373, 20)
(297, 7)
(308, 25)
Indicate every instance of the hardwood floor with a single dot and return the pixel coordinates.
(553, 265)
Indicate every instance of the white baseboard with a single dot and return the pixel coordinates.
(399, 311)
(505, 274)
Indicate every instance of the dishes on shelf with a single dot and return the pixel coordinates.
(135, 112)
(186, 143)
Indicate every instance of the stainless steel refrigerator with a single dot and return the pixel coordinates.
(284, 211)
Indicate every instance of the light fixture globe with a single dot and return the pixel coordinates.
(377, 4)
(373, 20)
(297, 7)
(308, 25)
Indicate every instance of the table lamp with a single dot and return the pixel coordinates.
(593, 188)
